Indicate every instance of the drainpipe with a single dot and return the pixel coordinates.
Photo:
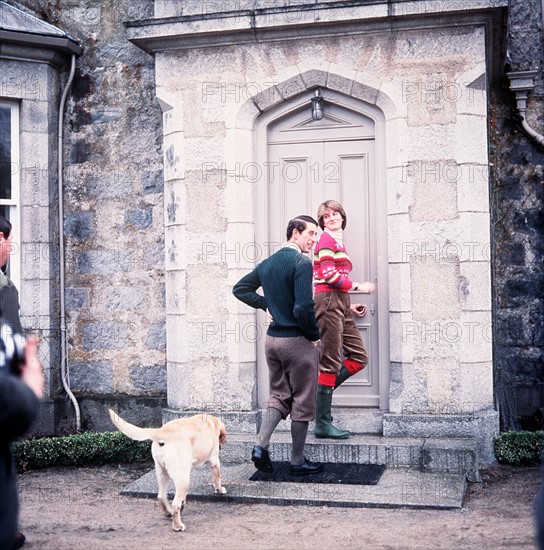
(521, 83)
(63, 330)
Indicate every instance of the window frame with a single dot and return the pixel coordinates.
(14, 204)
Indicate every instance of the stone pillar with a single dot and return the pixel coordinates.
(441, 319)
(203, 239)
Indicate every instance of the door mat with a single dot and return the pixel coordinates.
(333, 472)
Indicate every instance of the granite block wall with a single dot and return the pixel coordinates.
(517, 196)
(114, 224)
(113, 204)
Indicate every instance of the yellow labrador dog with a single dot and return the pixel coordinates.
(178, 446)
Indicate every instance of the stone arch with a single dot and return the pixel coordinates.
(358, 85)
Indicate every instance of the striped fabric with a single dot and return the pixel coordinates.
(332, 266)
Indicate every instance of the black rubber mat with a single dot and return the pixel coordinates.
(350, 474)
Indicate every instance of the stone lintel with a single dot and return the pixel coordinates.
(310, 21)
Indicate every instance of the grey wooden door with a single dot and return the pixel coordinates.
(309, 162)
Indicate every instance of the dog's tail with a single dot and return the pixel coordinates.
(134, 432)
(222, 433)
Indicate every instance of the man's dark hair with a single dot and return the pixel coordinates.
(298, 223)
(5, 226)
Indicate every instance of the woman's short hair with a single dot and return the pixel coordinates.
(335, 206)
(298, 223)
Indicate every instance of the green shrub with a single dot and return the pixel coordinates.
(79, 450)
(519, 448)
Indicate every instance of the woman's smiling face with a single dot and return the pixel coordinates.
(332, 220)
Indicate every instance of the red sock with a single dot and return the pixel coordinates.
(326, 379)
(353, 367)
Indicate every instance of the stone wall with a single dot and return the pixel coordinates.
(525, 51)
(518, 198)
(113, 204)
(114, 200)
(517, 179)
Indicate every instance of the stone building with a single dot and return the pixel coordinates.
(188, 140)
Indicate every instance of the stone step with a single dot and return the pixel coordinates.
(397, 487)
(431, 432)
(356, 420)
(456, 456)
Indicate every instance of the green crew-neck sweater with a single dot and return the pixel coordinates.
(286, 280)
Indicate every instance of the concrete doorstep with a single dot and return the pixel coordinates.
(407, 481)
(398, 487)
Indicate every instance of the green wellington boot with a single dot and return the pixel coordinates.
(323, 418)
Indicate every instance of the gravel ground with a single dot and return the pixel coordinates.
(73, 508)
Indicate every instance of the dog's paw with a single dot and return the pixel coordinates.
(178, 528)
(165, 507)
(221, 491)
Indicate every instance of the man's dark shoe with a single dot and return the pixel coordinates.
(261, 459)
(305, 468)
(19, 540)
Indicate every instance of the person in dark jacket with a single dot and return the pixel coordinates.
(292, 341)
(18, 408)
(19, 395)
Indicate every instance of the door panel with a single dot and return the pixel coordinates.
(301, 175)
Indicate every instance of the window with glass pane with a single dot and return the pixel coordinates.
(9, 176)
(5, 153)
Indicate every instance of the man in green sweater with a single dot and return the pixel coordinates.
(292, 341)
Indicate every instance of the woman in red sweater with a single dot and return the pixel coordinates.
(334, 313)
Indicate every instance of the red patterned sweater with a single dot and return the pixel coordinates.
(331, 266)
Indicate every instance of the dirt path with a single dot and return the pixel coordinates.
(80, 508)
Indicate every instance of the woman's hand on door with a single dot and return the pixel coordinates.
(358, 309)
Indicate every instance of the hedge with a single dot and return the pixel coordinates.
(519, 448)
(78, 450)
(515, 448)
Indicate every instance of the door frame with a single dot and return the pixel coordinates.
(260, 148)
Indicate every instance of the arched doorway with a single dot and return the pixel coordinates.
(305, 162)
